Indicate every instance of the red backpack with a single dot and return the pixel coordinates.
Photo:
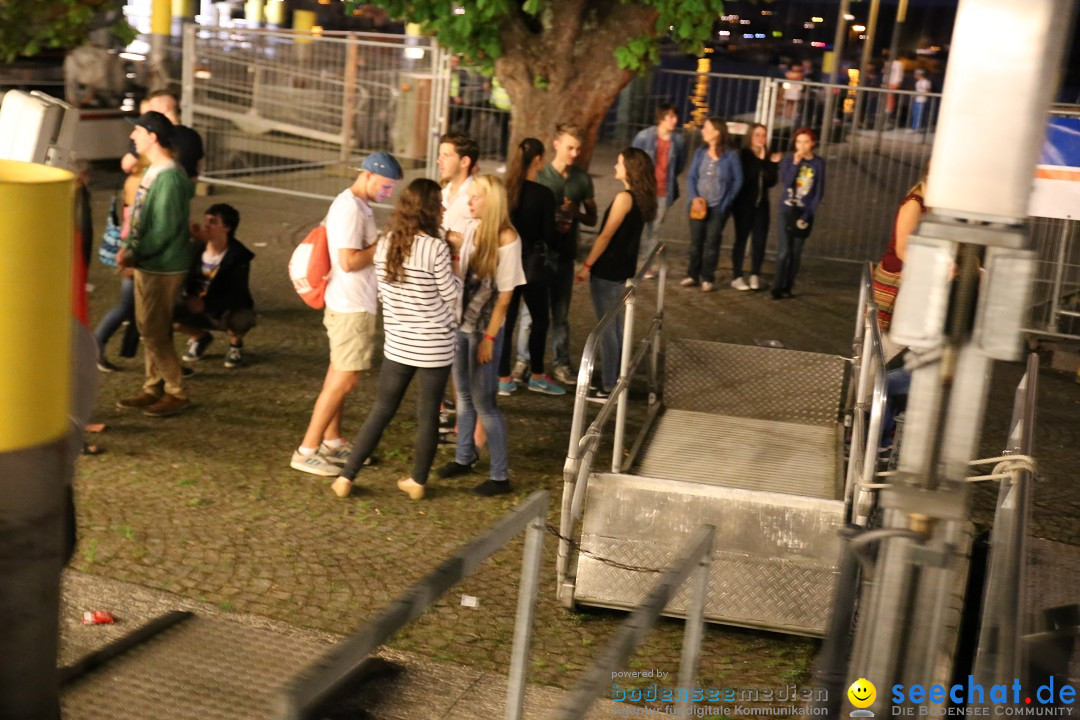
(309, 267)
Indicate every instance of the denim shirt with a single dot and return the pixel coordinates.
(646, 140)
(726, 181)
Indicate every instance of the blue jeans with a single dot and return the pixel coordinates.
(918, 114)
(477, 386)
(124, 309)
(606, 294)
(788, 252)
(705, 238)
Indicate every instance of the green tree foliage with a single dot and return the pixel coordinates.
(477, 32)
(29, 26)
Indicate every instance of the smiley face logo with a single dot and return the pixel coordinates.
(862, 693)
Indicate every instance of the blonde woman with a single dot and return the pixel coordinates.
(419, 288)
(491, 268)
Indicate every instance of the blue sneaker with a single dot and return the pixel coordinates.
(507, 388)
(544, 385)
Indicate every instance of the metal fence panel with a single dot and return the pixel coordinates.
(290, 112)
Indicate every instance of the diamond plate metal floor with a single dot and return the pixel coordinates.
(745, 453)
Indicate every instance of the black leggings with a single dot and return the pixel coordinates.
(750, 223)
(536, 299)
(394, 379)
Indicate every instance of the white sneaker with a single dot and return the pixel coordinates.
(315, 464)
(688, 282)
(649, 275)
(739, 284)
(755, 282)
(518, 373)
(565, 375)
(707, 286)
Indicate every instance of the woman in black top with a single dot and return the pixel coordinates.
(613, 257)
(751, 206)
(532, 212)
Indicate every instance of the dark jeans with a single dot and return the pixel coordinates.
(606, 294)
(536, 299)
(560, 290)
(394, 379)
(238, 322)
(705, 245)
(788, 253)
(751, 222)
(124, 309)
(477, 388)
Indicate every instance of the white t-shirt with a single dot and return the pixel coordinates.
(922, 85)
(350, 223)
(456, 208)
(482, 295)
(419, 312)
(896, 73)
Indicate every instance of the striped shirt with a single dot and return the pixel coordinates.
(420, 311)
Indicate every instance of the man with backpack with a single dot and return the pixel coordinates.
(351, 306)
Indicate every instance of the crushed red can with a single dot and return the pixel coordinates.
(98, 617)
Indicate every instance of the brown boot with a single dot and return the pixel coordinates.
(142, 400)
(166, 406)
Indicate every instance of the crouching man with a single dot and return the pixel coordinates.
(216, 293)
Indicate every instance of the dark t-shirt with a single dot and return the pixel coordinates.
(577, 186)
(618, 262)
(534, 218)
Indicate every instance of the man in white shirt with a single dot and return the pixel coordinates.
(351, 308)
(457, 160)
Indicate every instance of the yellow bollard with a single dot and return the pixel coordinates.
(275, 12)
(303, 21)
(161, 17)
(183, 9)
(36, 241)
(253, 13)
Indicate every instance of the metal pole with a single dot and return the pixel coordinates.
(694, 629)
(1059, 275)
(348, 99)
(187, 76)
(526, 610)
(867, 56)
(624, 366)
(838, 57)
(901, 17)
(161, 31)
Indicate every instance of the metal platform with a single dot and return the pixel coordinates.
(749, 440)
(744, 453)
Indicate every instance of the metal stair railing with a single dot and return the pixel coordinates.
(695, 560)
(317, 684)
(868, 410)
(584, 443)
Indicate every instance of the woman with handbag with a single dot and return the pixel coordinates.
(532, 213)
(802, 177)
(751, 206)
(491, 270)
(715, 178)
(612, 260)
(117, 227)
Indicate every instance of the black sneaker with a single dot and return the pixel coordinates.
(196, 348)
(492, 487)
(454, 469)
(106, 367)
(186, 371)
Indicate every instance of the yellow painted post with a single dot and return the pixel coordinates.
(275, 13)
(36, 247)
(161, 17)
(302, 22)
(253, 13)
(35, 303)
(183, 9)
(160, 31)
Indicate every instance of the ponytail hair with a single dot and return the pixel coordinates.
(527, 150)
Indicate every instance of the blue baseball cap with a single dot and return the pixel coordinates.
(383, 163)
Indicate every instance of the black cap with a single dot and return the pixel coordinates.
(156, 123)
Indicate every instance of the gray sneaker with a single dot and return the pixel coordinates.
(565, 375)
(315, 464)
(518, 373)
(234, 357)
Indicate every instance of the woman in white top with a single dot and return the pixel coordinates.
(419, 288)
(491, 266)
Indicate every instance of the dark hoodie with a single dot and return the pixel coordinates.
(228, 289)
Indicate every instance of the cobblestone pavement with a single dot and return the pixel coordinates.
(204, 504)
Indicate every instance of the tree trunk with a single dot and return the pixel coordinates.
(567, 72)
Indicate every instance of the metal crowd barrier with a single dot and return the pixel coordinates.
(695, 559)
(584, 443)
(868, 409)
(317, 684)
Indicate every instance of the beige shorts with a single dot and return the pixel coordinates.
(352, 339)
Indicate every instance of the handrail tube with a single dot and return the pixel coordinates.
(877, 406)
(633, 629)
(324, 677)
(624, 363)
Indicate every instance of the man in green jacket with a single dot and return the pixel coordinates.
(159, 248)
